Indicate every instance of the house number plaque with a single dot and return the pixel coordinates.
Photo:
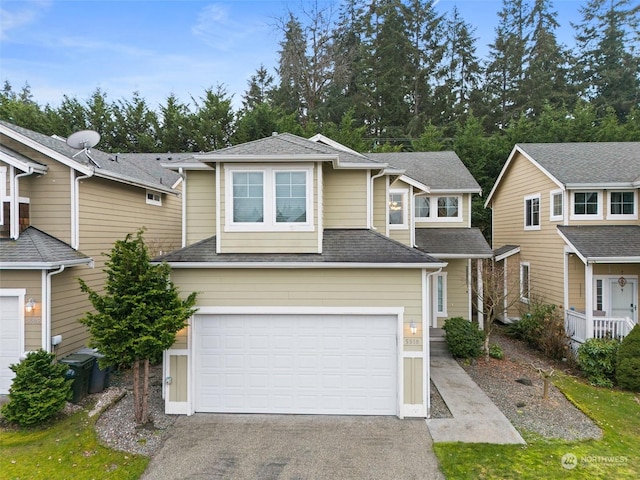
(413, 341)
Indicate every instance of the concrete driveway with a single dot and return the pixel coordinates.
(210, 446)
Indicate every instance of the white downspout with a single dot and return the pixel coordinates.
(372, 193)
(184, 206)
(46, 307)
(15, 203)
(75, 209)
(426, 347)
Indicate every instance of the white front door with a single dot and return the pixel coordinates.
(623, 300)
(10, 339)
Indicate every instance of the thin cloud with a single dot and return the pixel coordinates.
(26, 13)
(216, 29)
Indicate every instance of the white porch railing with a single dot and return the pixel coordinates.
(603, 327)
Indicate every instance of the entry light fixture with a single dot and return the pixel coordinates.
(413, 328)
(30, 305)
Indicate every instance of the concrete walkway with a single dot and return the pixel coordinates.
(476, 419)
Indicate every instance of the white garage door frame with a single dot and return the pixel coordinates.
(397, 312)
(17, 335)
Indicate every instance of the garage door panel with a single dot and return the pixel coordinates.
(296, 364)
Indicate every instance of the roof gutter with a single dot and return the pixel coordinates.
(313, 265)
(44, 265)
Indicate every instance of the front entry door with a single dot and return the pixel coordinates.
(624, 299)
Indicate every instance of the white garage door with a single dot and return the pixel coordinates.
(10, 348)
(304, 364)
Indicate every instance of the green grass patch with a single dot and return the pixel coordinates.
(66, 449)
(616, 455)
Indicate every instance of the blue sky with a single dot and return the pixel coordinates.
(158, 47)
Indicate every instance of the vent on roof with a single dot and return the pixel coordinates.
(274, 134)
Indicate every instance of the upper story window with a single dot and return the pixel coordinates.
(587, 205)
(532, 212)
(398, 209)
(622, 205)
(154, 198)
(557, 207)
(269, 198)
(446, 208)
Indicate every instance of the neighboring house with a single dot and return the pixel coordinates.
(566, 214)
(316, 291)
(63, 208)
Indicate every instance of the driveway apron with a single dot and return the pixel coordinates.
(216, 446)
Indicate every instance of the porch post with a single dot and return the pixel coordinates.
(480, 299)
(588, 298)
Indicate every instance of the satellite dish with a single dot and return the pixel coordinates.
(83, 140)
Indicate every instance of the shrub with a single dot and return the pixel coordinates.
(597, 359)
(495, 351)
(39, 389)
(463, 337)
(542, 327)
(628, 361)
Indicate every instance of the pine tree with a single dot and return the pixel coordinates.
(138, 316)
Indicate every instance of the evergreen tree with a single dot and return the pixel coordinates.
(260, 89)
(607, 67)
(213, 121)
(175, 132)
(545, 80)
(138, 316)
(135, 127)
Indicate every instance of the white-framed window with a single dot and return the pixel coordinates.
(441, 294)
(586, 205)
(3, 191)
(532, 212)
(269, 198)
(422, 207)
(154, 198)
(556, 206)
(622, 205)
(398, 217)
(438, 209)
(525, 282)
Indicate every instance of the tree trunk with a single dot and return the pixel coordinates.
(137, 411)
(145, 393)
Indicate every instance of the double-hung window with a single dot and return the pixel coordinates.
(557, 208)
(269, 198)
(532, 212)
(622, 205)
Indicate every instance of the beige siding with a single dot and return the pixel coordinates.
(457, 290)
(543, 248)
(179, 375)
(108, 212)
(380, 205)
(576, 273)
(268, 241)
(31, 280)
(345, 198)
(200, 205)
(413, 381)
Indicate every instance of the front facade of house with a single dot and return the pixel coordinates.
(314, 295)
(63, 208)
(565, 224)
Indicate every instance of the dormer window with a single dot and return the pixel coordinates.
(438, 209)
(269, 198)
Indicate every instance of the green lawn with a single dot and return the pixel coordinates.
(615, 456)
(67, 449)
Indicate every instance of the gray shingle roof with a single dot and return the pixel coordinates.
(438, 170)
(289, 144)
(447, 242)
(339, 246)
(145, 169)
(604, 241)
(505, 249)
(39, 250)
(588, 163)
